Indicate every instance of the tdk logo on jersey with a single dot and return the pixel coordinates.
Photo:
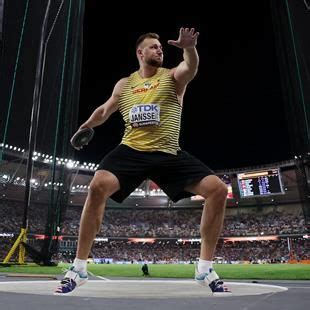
(145, 108)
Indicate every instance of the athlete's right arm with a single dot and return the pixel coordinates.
(103, 112)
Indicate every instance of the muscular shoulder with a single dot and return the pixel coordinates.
(119, 86)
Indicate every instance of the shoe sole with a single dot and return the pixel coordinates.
(222, 294)
(63, 294)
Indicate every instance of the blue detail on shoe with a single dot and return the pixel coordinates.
(201, 276)
(67, 285)
(217, 286)
(71, 280)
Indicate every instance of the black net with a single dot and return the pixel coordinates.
(40, 82)
(1, 18)
(291, 20)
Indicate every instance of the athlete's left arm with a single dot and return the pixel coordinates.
(188, 68)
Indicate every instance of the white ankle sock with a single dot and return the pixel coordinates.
(80, 265)
(204, 265)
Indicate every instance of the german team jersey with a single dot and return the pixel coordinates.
(151, 112)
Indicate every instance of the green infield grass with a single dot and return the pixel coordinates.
(244, 271)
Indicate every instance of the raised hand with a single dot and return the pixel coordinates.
(187, 38)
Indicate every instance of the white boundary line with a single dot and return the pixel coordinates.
(102, 278)
(149, 281)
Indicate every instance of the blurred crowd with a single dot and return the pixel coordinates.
(170, 225)
(154, 223)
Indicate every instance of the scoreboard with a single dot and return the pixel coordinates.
(260, 183)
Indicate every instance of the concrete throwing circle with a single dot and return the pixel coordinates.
(138, 288)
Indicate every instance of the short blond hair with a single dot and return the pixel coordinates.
(149, 35)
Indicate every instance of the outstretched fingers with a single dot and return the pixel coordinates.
(187, 38)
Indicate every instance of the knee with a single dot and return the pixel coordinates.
(98, 190)
(217, 189)
(220, 190)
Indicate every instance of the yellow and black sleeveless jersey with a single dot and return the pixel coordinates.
(151, 112)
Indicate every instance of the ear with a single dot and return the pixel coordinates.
(139, 51)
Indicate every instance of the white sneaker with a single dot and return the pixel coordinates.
(212, 280)
(71, 280)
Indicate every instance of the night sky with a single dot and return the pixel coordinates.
(234, 113)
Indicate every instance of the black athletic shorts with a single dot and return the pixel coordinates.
(172, 173)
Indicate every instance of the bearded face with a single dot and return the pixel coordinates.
(154, 62)
(152, 53)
